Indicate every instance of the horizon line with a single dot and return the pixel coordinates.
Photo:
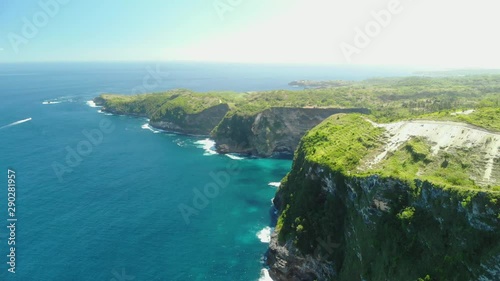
(326, 64)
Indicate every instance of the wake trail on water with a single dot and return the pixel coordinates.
(16, 123)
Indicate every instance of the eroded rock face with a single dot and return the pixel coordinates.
(449, 137)
(392, 221)
(373, 228)
(272, 131)
(288, 264)
(194, 124)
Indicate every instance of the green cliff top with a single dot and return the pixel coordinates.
(353, 145)
(159, 103)
(409, 200)
(389, 99)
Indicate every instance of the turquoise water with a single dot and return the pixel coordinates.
(114, 213)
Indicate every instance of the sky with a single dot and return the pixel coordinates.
(444, 33)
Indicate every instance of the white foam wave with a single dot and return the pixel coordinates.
(264, 275)
(274, 207)
(16, 123)
(234, 157)
(91, 103)
(275, 184)
(105, 113)
(208, 145)
(265, 234)
(51, 102)
(148, 127)
(61, 100)
(181, 143)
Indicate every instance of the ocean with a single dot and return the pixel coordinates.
(104, 197)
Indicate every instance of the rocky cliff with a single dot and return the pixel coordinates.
(387, 202)
(266, 132)
(273, 131)
(175, 111)
(201, 123)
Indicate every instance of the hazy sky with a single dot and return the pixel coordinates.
(440, 33)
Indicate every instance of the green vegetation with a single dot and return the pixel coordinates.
(426, 278)
(171, 104)
(347, 143)
(407, 213)
(389, 99)
(486, 117)
(415, 161)
(412, 204)
(341, 141)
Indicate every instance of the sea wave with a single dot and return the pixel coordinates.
(91, 103)
(181, 143)
(103, 112)
(234, 156)
(208, 145)
(61, 100)
(275, 184)
(264, 275)
(265, 234)
(148, 127)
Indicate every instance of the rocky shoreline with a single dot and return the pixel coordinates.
(273, 132)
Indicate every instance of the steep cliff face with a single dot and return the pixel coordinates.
(343, 218)
(201, 123)
(107, 107)
(267, 132)
(172, 114)
(273, 131)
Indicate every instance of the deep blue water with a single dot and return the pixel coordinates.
(114, 213)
